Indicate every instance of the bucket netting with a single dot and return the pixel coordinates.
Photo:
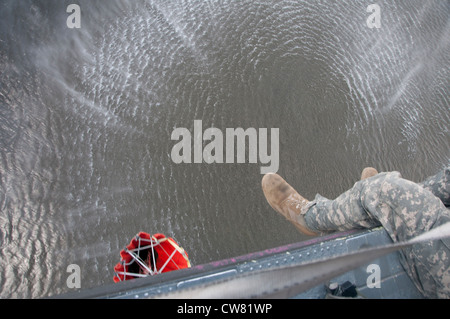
(148, 255)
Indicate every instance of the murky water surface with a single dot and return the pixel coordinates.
(87, 116)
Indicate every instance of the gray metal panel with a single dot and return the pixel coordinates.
(394, 281)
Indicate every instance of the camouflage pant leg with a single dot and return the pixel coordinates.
(405, 209)
(439, 185)
(344, 213)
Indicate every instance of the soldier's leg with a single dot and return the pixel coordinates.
(439, 185)
(405, 209)
(343, 213)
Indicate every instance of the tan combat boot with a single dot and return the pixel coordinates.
(286, 201)
(368, 172)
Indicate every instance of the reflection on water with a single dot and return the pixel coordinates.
(87, 116)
